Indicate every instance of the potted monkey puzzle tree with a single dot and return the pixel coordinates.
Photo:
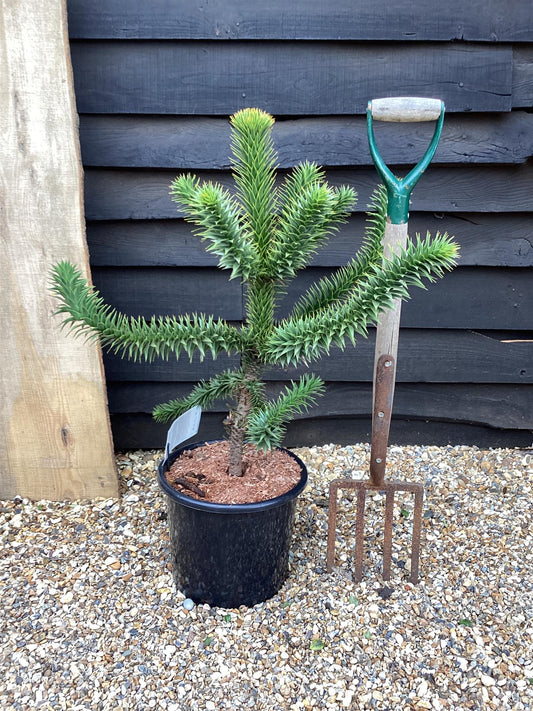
(235, 553)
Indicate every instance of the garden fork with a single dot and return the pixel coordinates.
(401, 109)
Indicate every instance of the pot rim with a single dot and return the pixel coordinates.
(209, 506)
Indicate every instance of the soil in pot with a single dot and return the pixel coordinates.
(202, 473)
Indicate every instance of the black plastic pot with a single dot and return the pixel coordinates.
(230, 555)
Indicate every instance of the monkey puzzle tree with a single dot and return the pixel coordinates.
(263, 234)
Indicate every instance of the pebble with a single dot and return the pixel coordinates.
(92, 620)
(487, 680)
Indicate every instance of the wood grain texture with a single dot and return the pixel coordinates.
(478, 20)
(181, 369)
(55, 441)
(201, 143)
(490, 240)
(523, 76)
(473, 405)
(354, 399)
(140, 431)
(149, 292)
(394, 241)
(405, 109)
(471, 298)
(144, 195)
(424, 356)
(467, 298)
(215, 78)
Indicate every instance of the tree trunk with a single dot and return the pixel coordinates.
(237, 431)
(238, 417)
(236, 445)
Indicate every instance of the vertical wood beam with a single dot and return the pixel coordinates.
(55, 438)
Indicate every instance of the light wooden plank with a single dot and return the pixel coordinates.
(55, 440)
(481, 20)
(313, 78)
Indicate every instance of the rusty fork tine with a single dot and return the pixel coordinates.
(332, 520)
(384, 388)
(359, 535)
(387, 534)
(417, 527)
(389, 488)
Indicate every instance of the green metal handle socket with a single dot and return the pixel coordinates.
(403, 109)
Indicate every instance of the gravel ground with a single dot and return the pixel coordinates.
(91, 620)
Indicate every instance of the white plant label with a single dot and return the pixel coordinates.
(183, 428)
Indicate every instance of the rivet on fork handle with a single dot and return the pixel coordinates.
(381, 417)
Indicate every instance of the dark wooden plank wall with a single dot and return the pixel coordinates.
(155, 83)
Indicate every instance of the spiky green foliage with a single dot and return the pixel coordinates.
(136, 338)
(310, 212)
(307, 338)
(268, 424)
(331, 290)
(263, 235)
(204, 394)
(216, 212)
(254, 171)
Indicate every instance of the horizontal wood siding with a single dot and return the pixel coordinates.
(487, 239)
(483, 298)
(144, 195)
(425, 355)
(155, 83)
(143, 431)
(404, 20)
(148, 292)
(410, 400)
(523, 76)
(180, 142)
(147, 77)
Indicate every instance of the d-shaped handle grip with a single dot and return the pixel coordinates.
(404, 109)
